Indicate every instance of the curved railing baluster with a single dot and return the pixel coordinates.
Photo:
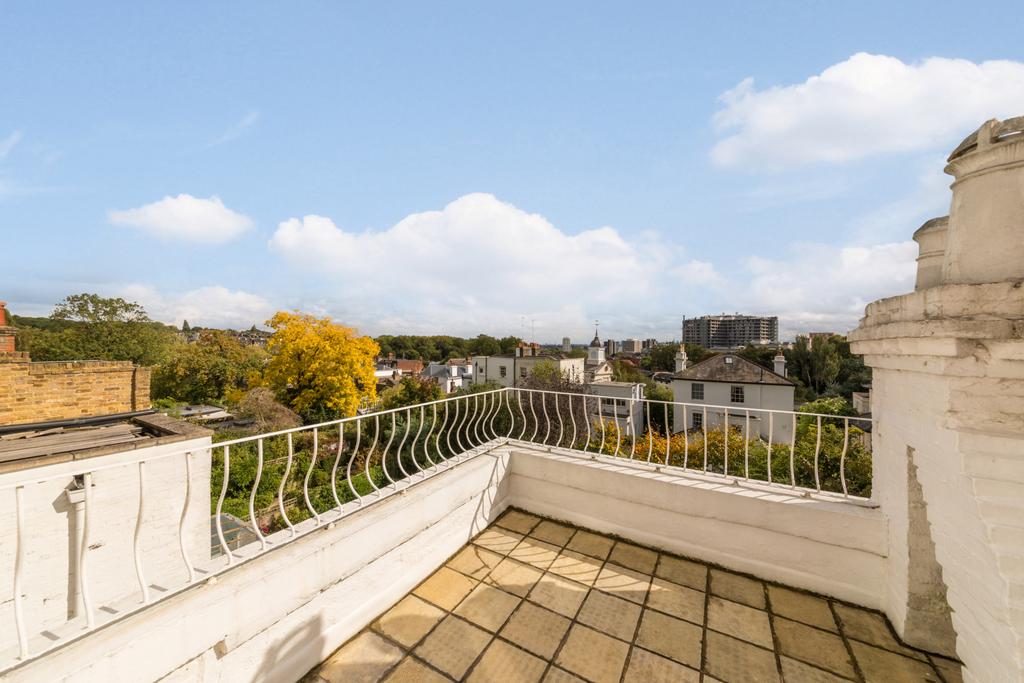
(792, 455)
(19, 570)
(83, 554)
(440, 455)
(281, 485)
(771, 442)
(351, 461)
(631, 428)
(401, 444)
(725, 432)
(519, 398)
(615, 421)
(136, 552)
(650, 432)
(547, 419)
(184, 516)
(817, 449)
(337, 461)
(704, 426)
(746, 446)
(586, 418)
(842, 458)
(536, 422)
(369, 455)
(309, 473)
(426, 439)
(220, 505)
(384, 453)
(668, 436)
(252, 496)
(558, 412)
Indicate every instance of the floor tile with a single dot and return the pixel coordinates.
(556, 675)
(445, 588)
(558, 594)
(498, 540)
(737, 588)
(487, 607)
(821, 648)
(591, 544)
(575, 566)
(622, 582)
(950, 669)
(872, 628)
(411, 670)
(730, 660)
(595, 656)
(680, 640)
(474, 561)
(536, 629)
(535, 553)
(519, 522)
(611, 615)
(508, 664)
(881, 666)
(677, 600)
(647, 667)
(740, 621)
(801, 607)
(453, 646)
(408, 621)
(633, 557)
(684, 572)
(553, 532)
(364, 659)
(794, 671)
(514, 577)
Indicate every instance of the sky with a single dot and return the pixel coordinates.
(457, 168)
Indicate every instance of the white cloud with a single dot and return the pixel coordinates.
(239, 128)
(209, 306)
(477, 264)
(866, 105)
(825, 287)
(8, 143)
(185, 217)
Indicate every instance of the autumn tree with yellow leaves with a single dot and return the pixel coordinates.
(319, 368)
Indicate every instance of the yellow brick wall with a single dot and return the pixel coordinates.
(35, 392)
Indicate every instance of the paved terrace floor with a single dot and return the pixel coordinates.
(533, 600)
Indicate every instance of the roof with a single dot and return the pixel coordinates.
(738, 371)
(596, 342)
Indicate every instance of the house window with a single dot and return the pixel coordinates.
(522, 371)
(697, 392)
(736, 394)
(697, 420)
(503, 371)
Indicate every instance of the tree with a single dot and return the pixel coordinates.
(93, 308)
(484, 345)
(759, 355)
(215, 368)
(411, 391)
(260, 406)
(90, 327)
(828, 367)
(185, 327)
(320, 369)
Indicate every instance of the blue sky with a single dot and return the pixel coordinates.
(457, 168)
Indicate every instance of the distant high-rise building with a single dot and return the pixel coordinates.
(566, 345)
(650, 343)
(632, 346)
(731, 331)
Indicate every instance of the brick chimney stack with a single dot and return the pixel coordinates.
(7, 333)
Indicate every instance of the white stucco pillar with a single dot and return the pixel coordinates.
(948, 397)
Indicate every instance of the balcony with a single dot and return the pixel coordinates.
(664, 546)
(532, 599)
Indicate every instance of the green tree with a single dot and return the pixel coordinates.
(90, 327)
(215, 368)
(760, 355)
(411, 391)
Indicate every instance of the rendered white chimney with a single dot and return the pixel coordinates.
(681, 358)
(780, 364)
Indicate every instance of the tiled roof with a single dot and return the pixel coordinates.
(738, 370)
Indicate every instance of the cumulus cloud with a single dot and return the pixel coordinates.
(826, 287)
(185, 217)
(866, 105)
(208, 306)
(478, 263)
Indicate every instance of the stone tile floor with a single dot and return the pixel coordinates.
(530, 599)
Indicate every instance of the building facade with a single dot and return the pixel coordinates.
(510, 370)
(728, 387)
(731, 331)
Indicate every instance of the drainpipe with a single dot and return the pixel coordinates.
(75, 493)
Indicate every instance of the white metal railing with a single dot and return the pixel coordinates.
(285, 484)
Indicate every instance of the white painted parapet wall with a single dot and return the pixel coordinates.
(948, 381)
(276, 615)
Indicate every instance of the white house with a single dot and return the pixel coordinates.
(509, 370)
(622, 402)
(743, 390)
(450, 376)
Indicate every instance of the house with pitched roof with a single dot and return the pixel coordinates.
(730, 387)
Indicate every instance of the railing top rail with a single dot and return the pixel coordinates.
(732, 407)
